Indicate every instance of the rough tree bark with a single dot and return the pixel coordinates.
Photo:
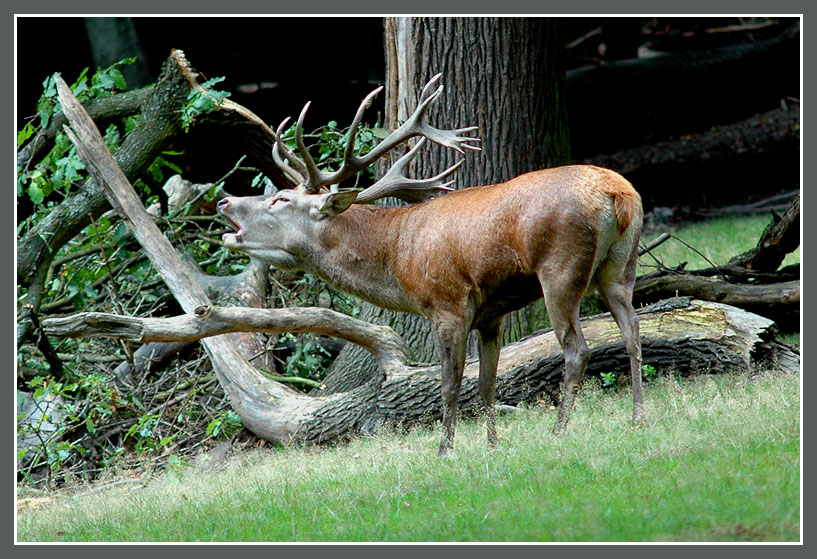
(685, 333)
(492, 68)
(781, 237)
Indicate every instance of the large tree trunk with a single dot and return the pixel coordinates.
(492, 68)
(113, 39)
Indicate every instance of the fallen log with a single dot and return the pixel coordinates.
(750, 280)
(777, 301)
(626, 102)
(682, 335)
(770, 132)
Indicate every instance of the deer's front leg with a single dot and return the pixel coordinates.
(451, 343)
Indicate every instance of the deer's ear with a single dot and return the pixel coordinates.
(333, 203)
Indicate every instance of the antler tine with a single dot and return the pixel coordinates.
(396, 183)
(314, 178)
(284, 158)
(427, 86)
(283, 165)
(349, 154)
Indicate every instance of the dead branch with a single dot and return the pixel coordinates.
(207, 321)
(781, 237)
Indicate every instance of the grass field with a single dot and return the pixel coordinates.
(718, 460)
(710, 242)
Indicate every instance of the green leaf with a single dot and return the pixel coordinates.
(44, 110)
(210, 195)
(80, 89)
(258, 181)
(120, 233)
(112, 137)
(214, 426)
(50, 86)
(81, 81)
(55, 285)
(118, 79)
(70, 167)
(102, 81)
(24, 134)
(131, 122)
(36, 194)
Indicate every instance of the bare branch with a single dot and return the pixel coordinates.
(207, 321)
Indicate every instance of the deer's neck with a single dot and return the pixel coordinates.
(356, 253)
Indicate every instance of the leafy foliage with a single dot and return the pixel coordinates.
(202, 100)
(61, 170)
(85, 418)
(612, 380)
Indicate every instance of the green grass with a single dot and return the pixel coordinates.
(717, 461)
(714, 242)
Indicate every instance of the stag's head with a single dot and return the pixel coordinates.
(278, 226)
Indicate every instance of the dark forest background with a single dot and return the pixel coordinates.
(645, 96)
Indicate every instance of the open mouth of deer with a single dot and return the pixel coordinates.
(230, 239)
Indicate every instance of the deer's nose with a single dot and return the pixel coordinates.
(222, 205)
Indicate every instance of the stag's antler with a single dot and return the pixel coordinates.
(304, 171)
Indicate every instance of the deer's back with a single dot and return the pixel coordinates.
(487, 243)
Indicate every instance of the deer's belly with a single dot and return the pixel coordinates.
(509, 296)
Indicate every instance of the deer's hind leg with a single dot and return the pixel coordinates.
(489, 337)
(563, 288)
(614, 280)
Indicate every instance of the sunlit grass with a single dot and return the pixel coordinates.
(711, 242)
(717, 461)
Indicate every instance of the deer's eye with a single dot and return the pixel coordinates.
(277, 200)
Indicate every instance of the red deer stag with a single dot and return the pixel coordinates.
(462, 260)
